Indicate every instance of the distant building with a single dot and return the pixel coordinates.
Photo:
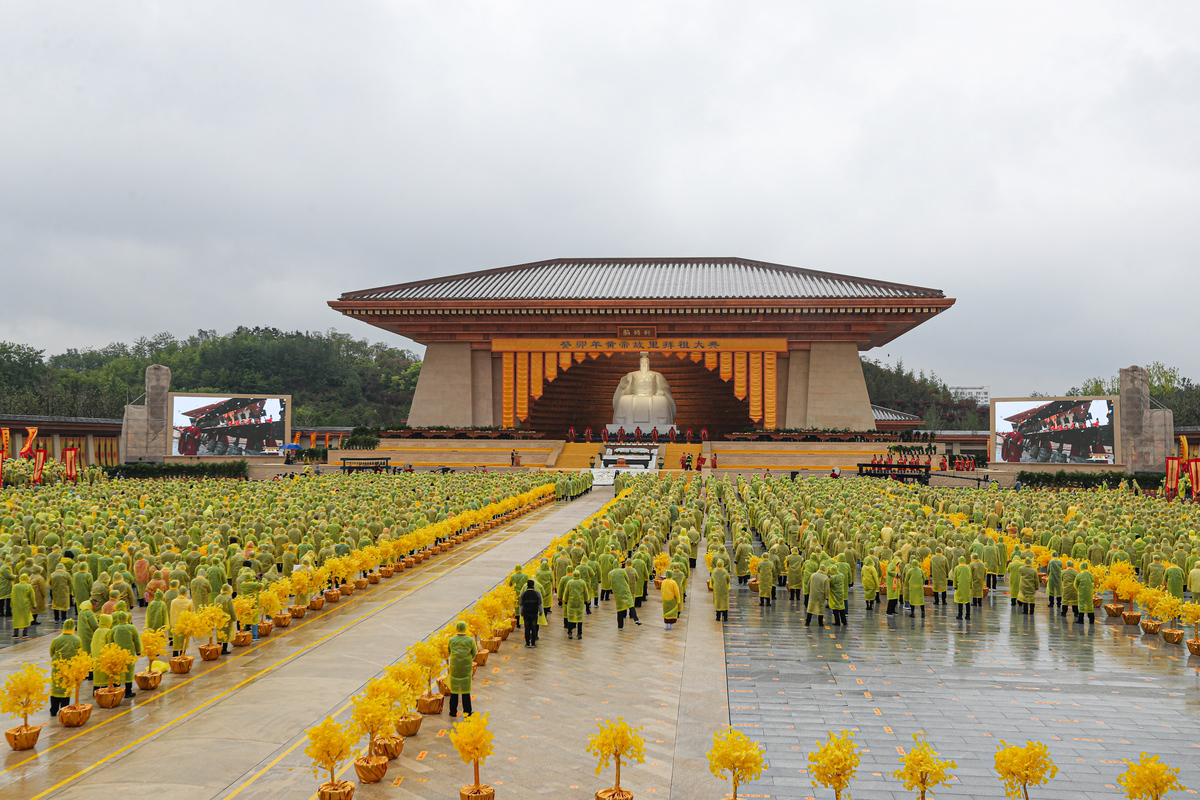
(982, 395)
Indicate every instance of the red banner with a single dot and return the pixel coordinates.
(4, 443)
(1194, 473)
(39, 463)
(70, 458)
(30, 438)
(1172, 482)
(2, 455)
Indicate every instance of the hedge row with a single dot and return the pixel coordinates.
(1064, 479)
(200, 469)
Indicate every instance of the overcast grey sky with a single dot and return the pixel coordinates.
(172, 166)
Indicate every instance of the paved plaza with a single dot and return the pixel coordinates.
(235, 727)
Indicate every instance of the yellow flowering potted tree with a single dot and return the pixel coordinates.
(921, 770)
(71, 673)
(474, 743)
(834, 763)
(283, 593)
(428, 657)
(154, 642)
(372, 714)
(1149, 779)
(754, 562)
(320, 579)
(399, 699)
(214, 619)
(246, 610)
(410, 676)
(25, 692)
(329, 746)
(1191, 616)
(1128, 588)
(188, 625)
(1168, 609)
(1109, 582)
(1149, 598)
(735, 757)
(1018, 767)
(301, 580)
(113, 661)
(616, 741)
(269, 605)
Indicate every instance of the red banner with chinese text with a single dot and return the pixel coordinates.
(1172, 482)
(39, 464)
(5, 440)
(1194, 473)
(30, 438)
(70, 458)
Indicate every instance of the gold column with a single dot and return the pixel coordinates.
(522, 386)
(770, 418)
(756, 404)
(535, 375)
(739, 376)
(506, 382)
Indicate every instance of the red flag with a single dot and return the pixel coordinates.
(4, 442)
(1194, 473)
(1172, 483)
(39, 463)
(71, 463)
(30, 438)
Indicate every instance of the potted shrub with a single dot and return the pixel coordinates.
(26, 692)
(320, 579)
(246, 610)
(921, 770)
(1129, 587)
(662, 564)
(1191, 616)
(154, 642)
(428, 657)
(282, 589)
(1108, 581)
(213, 619)
(736, 757)
(754, 561)
(301, 585)
(616, 740)
(399, 699)
(113, 661)
(329, 746)
(1018, 767)
(1167, 610)
(409, 675)
(474, 743)
(268, 606)
(190, 626)
(373, 715)
(71, 674)
(1149, 779)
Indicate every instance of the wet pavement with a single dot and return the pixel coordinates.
(1094, 694)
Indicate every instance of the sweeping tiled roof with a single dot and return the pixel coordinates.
(644, 278)
(882, 414)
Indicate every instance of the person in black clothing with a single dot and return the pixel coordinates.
(531, 607)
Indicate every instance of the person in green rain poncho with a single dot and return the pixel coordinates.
(895, 585)
(178, 606)
(60, 592)
(1070, 595)
(794, 564)
(720, 583)
(63, 648)
(126, 636)
(1014, 579)
(1027, 588)
(939, 574)
(606, 563)
(914, 580)
(87, 625)
(766, 581)
(622, 595)
(545, 585)
(517, 581)
(81, 583)
(837, 593)
(978, 579)
(462, 661)
(962, 587)
(101, 637)
(22, 607)
(576, 592)
(818, 595)
(6, 586)
(1085, 586)
(224, 601)
(870, 582)
(671, 600)
(156, 612)
(1174, 581)
(1054, 588)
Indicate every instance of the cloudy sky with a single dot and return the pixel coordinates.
(170, 166)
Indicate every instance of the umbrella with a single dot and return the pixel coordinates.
(290, 447)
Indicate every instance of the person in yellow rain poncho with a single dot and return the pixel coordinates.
(766, 581)
(962, 587)
(1085, 586)
(178, 606)
(1028, 586)
(575, 596)
(818, 595)
(914, 580)
(720, 583)
(462, 660)
(64, 647)
(101, 637)
(22, 607)
(671, 599)
(870, 582)
(895, 585)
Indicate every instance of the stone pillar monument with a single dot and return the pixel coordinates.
(146, 430)
(1147, 432)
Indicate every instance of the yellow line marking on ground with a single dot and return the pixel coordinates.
(237, 686)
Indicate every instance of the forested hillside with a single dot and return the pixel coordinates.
(334, 379)
(892, 386)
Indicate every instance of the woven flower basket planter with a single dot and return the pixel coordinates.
(502, 633)
(242, 638)
(481, 658)
(316, 603)
(410, 725)
(180, 665)
(410, 562)
(210, 652)
(1132, 617)
(264, 629)
(74, 716)
(346, 589)
(443, 685)
(1151, 626)
(24, 738)
(928, 590)
(1194, 646)
(148, 680)
(372, 577)
(614, 794)
(297, 612)
(371, 769)
(1172, 635)
(338, 790)
(492, 644)
(1114, 609)
(110, 698)
(332, 595)
(386, 571)
(480, 792)
(282, 619)
(430, 703)
(1043, 578)
(753, 584)
(389, 747)
(362, 583)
